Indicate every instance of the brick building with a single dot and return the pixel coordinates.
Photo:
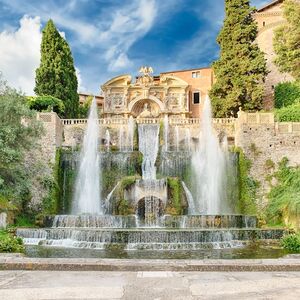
(268, 18)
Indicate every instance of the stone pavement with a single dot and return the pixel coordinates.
(19, 262)
(32, 285)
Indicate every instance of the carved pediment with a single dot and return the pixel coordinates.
(119, 81)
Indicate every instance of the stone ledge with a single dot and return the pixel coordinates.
(290, 263)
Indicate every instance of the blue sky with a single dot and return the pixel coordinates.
(111, 37)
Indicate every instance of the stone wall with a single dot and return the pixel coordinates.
(53, 134)
(262, 139)
(42, 159)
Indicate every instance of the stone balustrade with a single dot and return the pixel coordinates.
(287, 127)
(124, 121)
(256, 118)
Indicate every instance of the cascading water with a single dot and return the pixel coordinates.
(190, 198)
(121, 139)
(166, 132)
(177, 138)
(148, 146)
(208, 163)
(87, 190)
(130, 131)
(107, 140)
(187, 139)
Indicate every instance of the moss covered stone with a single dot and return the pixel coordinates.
(177, 202)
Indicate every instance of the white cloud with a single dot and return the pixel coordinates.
(81, 88)
(20, 54)
(125, 26)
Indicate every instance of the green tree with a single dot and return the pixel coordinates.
(19, 131)
(241, 68)
(46, 103)
(56, 75)
(287, 40)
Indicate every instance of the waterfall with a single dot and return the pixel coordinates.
(208, 163)
(108, 198)
(121, 139)
(189, 197)
(3, 217)
(148, 146)
(107, 140)
(177, 138)
(166, 132)
(187, 139)
(130, 131)
(87, 189)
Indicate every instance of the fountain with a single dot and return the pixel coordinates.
(177, 138)
(107, 140)
(130, 130)
(157, 198)
(87, 191)
(208, 162)
(166, 132)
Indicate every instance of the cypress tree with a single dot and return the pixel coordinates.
(287, 40)
(56, 74)
(241, 68)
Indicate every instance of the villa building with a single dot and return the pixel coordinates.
(176, 94)
(268, 18)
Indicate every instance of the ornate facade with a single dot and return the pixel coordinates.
(147, 96)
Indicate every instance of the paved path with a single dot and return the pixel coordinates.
(65, 285)
(18, 262)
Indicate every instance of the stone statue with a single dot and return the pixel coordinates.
(146, 112)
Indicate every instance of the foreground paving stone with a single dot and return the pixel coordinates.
(78, 264)
(42, 285)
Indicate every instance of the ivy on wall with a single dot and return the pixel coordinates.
(247, 186)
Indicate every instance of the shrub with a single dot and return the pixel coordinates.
(10, 243)
(284, 198)
(291, 242)
(290, 113)
(287, 93)
(46, 103)
(247, 185)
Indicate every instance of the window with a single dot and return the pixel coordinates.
(196, 74)
(196, 97)
(264, 23)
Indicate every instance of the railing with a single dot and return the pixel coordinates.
(287, 127)
(224, 120)
(256, 118)
(124, 121)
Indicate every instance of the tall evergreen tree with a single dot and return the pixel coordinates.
(287, 40)
(241, 68)
(56, 75)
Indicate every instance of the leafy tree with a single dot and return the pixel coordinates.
(241, 68)
(84, 107)
(18, 133)
(46, 103)
(287, 93)
(287, 40)
(56, 74)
